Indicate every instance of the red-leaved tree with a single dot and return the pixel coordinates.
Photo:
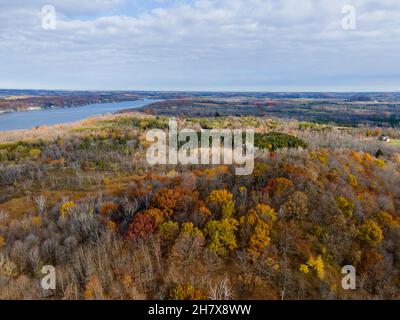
(142, 226)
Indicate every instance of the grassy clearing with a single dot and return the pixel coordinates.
(395, 142)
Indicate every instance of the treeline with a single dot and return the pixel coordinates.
(277, 140)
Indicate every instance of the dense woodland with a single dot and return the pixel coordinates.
(83, 198)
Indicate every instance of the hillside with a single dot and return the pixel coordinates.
(83, 198)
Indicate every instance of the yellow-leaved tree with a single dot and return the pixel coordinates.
(315, 266)
(255, 229)
(221, 235)
(370, 233)
(221, 203)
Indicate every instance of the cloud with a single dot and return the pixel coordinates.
(203, 43)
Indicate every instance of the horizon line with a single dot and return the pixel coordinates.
(194, 91)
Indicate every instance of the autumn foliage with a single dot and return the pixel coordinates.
(256, 227)
(107, 209)
(186, 292)
(167, 199)
(221, 235)
(221, 203)
(142, 226)
(132, 231)
(370, 233)
(66, 208)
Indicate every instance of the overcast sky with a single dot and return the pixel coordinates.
(230, 45)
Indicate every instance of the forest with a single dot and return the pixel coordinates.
(82, 198)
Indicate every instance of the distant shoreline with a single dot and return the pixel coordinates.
(27, 109)
(18, 120)
(60, 107)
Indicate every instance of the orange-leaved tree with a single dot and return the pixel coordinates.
(166, 199)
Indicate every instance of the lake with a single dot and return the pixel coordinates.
(32, 118)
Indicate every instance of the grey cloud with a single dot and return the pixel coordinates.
(296, 40)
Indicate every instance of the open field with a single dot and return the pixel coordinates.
(395, 142)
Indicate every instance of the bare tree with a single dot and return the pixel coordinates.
(130, 207)
(40, 203)
(3, 216)
(221, 290)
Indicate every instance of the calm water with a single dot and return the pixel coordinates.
(29, 119)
